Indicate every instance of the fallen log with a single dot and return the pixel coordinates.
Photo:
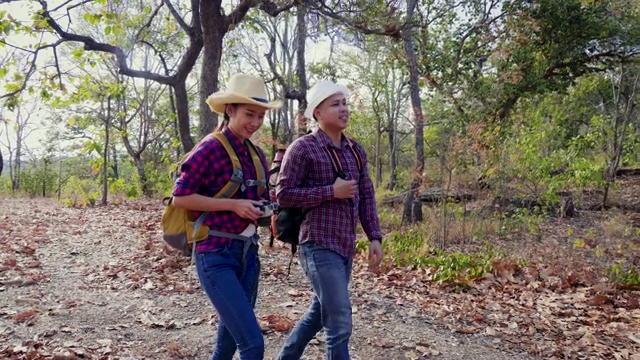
(438, 194)
(396, 199)
(565, 208)
(628, 172)
(432, 195)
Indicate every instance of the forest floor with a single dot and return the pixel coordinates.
(98, 283)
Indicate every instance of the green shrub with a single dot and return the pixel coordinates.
(624, 275)
(79, 192)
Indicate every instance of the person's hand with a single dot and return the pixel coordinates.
(344, 189)
(375, 254)
(247, 209)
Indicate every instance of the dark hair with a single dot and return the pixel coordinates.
(225, 119)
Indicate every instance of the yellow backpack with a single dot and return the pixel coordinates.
(180, 227)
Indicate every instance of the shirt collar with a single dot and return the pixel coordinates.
(233, 139)
(326, 140)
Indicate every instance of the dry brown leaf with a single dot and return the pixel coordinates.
(25, 315)
(598, 300)
(278, 322)
(490, 331)
(412, 355)
(588, 339)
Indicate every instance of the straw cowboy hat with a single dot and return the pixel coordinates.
(319, 92)
(242, 89)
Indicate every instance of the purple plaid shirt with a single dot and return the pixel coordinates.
(306, 180)
(206, 171)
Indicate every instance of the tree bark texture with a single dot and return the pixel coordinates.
(415, 214)
(105, 154)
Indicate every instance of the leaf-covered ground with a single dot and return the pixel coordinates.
(98, 283)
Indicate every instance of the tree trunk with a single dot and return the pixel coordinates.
(213, 32)
(626, 100)
(182, 105)
(114, 162)
(301, 73)
(59, 190)
(105, 154)
(416, 214)
(378, 160)
(392, 151)
(1, 163)
(11, 169)
(142, 177)
(17, 161)
(44, 178)
(407, 207)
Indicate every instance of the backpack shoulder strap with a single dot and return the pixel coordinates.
(356, 154)
(237, 177)
(260, 170)
(333, 156)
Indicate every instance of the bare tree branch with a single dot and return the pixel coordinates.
(391, 30)
(32, 69)
(179, 18)
(91, 44)
(70, 7)
(55, 56)
(2, 41)
(148, 24)
(271, 8)
(73, 7)
(238, 13)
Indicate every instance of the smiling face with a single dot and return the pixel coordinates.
(245, 119)
(333, 114)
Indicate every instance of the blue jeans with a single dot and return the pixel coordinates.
(329, 274)
(233, 294)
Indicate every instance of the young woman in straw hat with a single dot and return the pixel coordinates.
(227, 261)
(327, 235)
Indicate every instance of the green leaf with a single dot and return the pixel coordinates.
(78, 53)
(107, 30)
(11, 87)
(7, 28)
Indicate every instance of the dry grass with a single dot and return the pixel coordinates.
(616, 227)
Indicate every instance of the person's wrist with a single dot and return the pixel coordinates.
(233, 204)
(332, 192)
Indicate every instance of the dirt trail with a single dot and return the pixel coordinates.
(96, 283)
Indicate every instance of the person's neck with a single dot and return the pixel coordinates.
(242, 140)
(334, 135)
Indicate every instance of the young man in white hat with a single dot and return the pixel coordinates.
(327, 235)
(227, 260)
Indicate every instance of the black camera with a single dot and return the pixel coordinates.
(268, 208)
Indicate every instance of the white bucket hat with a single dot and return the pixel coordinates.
(242, 89)
(319, 92)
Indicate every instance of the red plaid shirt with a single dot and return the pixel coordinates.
(306, 180)
(206, 171)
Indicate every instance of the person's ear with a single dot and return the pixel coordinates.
(316, 113)
(230, 109)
